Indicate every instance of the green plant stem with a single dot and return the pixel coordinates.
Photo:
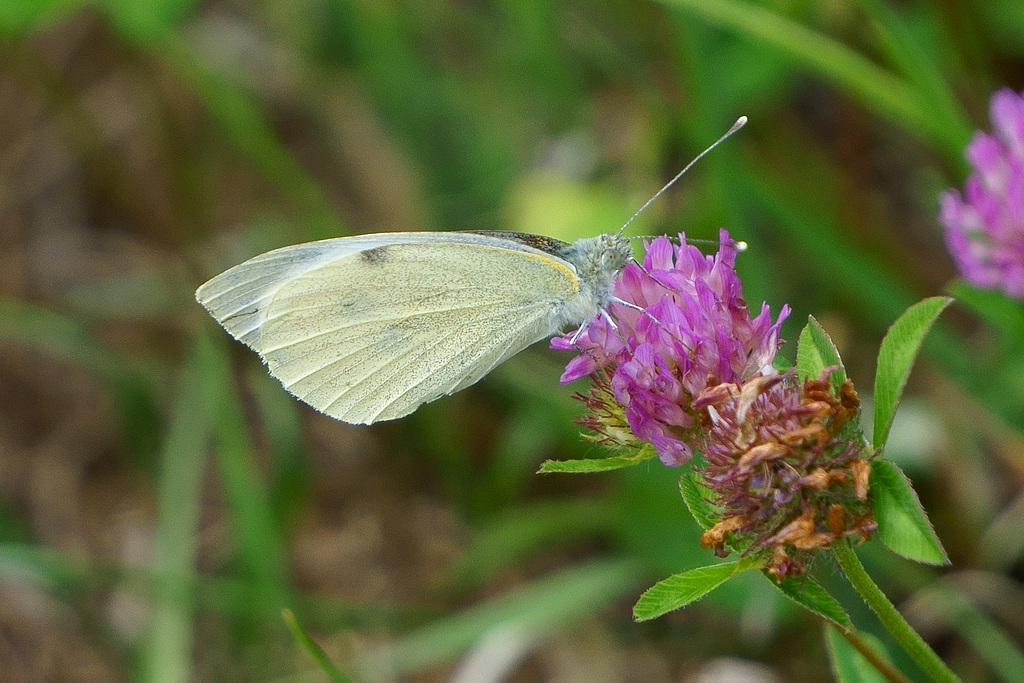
(315, 651)
(890, 617)
(881, 664)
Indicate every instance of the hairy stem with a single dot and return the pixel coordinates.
(890, 617)
(877, 659)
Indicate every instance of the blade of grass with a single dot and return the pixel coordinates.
(859, 658)
(168, 652)
(538, 608)
(141, 21)
(281, 420)
(132, 383)
(518, 531)
(315, 651)
(224, 598)
(260, 546)
(994, 645)
(53, 332)
(249, 130)
(440, 122)
(905, 51)
(41, 566)
(827, 251)
(879, 90)
(880, 295)
(31, 15)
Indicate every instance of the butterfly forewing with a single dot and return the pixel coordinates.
(239, 297)
(374, 333)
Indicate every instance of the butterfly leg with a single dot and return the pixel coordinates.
(643, 311)
(579, 333)
(608, 318)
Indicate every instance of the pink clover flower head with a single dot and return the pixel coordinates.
(684, 327)
(985, 225)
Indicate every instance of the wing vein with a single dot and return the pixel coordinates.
(426, 297)
(395, 366)
(458, 381)
(398, 367)
(293, 382)
(396, 316)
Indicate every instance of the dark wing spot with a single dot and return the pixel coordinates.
(376, 255)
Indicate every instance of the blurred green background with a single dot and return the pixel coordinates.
(162, 498)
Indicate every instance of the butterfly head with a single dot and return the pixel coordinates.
(598, 261)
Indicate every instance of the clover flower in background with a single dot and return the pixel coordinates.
(686, 327)
(985, 225)
(786, 472)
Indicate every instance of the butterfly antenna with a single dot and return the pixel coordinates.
(738, 245)
(740, 122)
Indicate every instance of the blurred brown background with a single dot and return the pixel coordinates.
(162, 499)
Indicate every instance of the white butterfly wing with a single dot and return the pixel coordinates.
(375, 329)
(238, 298)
